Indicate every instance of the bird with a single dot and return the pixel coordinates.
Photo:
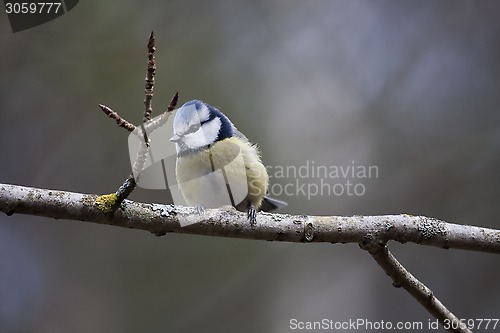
(217, 165)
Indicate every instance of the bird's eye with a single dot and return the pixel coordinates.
(193, 128)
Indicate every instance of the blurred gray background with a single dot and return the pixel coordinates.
(409, 87)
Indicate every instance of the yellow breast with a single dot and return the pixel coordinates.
(229, 172)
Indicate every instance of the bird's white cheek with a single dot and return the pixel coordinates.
(196, 140)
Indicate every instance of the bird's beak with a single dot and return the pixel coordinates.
(175, 138)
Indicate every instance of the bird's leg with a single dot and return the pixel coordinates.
(251, 214)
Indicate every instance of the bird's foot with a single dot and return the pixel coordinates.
(200, 209)
(252, 215)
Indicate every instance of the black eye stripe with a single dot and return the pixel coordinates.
(210, 118)
(193, 128)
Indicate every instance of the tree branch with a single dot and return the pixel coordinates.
(228, 222)
(403, 278)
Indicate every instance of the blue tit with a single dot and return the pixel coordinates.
(216, 164)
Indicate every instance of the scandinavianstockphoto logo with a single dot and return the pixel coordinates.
(28, 14)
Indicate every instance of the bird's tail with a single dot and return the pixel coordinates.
(269, 204)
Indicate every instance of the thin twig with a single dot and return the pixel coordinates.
(119, 120)
(142, 134)
(130, 183)
(125, 190)
(142, 152)
(173, 102)
(150, 78)
(148, 125)
(403, 278)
